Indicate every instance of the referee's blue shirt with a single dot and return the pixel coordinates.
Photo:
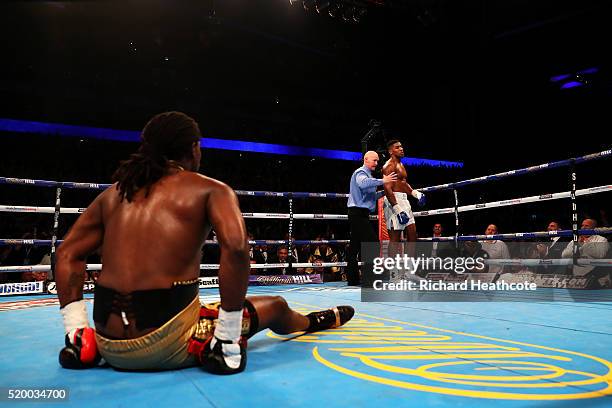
(363, 189)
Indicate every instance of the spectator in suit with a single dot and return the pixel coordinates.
(282, 256)
(552, 250)
(440, 249)
(256, 255)
(437, 233)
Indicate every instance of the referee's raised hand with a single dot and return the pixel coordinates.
(389, 178)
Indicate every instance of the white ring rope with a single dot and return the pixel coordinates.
(278, 216)
(98, 267)
(515, 201)
(449, 210)
(453, 185)
(507, 262)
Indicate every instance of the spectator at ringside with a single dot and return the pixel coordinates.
(495, 248)
(44, 253)
(21, 255)
(604, 220)
(437, 233)
(282, 256)
(7, 257)
(210, 255)
(304, 251)
(529, 252)
(589, 247)
(95, 258)
(473, 249)
(552, 249)
(263, 253)
(440, 249)
(34, 276)
(323, 253)
(255, 253)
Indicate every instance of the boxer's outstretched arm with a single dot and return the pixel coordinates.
(84, 237)
(226, 219)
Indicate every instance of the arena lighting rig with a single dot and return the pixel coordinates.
(349, 11)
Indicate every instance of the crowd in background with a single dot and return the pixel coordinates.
(94, 161)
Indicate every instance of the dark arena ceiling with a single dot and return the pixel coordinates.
(454, 80)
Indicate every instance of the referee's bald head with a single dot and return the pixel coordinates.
(370, 159)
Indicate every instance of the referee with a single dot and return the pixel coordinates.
(361, 202)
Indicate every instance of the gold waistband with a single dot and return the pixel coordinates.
(186, 282)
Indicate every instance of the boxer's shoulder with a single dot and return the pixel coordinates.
(388, 167)
(206, 187)
(200, 180)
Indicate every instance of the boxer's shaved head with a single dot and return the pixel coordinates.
(370, 159)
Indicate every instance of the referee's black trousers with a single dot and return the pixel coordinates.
(361, 232)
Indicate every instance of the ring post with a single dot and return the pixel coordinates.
(574, 210)
(56, 213)
(290, 237)
(456, 218)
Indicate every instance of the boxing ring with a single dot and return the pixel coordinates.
(511, 354)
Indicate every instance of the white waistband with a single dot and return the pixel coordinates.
(400, 195)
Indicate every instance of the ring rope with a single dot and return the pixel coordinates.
(548, 262)
(47, 242)
(280, 216)
(509, 262)
(523, 235)
(57, 210)
(440, 187)
(439, 211)
(456, 211)
(516, 201)
(98, 267)
(509, 236)
(510, 173)
(104, 186)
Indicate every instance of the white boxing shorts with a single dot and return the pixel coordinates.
(391, 219)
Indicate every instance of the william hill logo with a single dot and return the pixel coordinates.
(427, 359)
(20, 181)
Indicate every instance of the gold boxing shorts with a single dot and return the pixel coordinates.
(166, 347)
